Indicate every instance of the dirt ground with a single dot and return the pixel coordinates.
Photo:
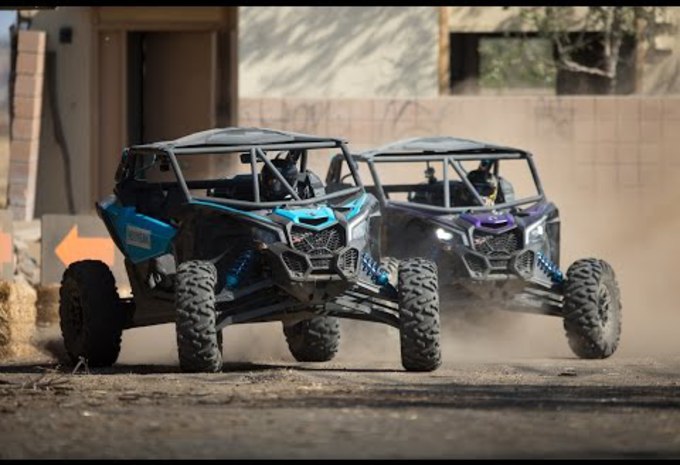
(494, 397)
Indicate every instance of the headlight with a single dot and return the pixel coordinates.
(358, 229)
(443, 234)
(535, 232)
(450, 237)
(262, 237)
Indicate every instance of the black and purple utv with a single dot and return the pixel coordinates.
(496, 243)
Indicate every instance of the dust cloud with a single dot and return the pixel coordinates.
(254, 342)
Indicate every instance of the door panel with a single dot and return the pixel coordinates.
(178, 84)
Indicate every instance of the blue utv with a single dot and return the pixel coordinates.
(230, 226)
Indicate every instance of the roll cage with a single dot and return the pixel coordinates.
(450, 152)
(231, 141)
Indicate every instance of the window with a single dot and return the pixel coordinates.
(524, 64)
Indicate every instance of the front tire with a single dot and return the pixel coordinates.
(314, 340)
(592, 306)
(90, 317)
(198, 344)
(419, 325)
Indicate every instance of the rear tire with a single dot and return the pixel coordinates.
(197, 340)
(419, 315)
(592, 306)
(314, 340)
(90, 317)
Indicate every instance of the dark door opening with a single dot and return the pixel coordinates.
(171, 84)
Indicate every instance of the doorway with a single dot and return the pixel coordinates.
(171, 84)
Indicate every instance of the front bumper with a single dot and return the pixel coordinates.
(462, 262)
(313, 279)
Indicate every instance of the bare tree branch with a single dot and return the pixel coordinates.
(606, 25)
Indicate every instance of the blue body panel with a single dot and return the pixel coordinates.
(140, 236)
(355, 206)
(298, 215)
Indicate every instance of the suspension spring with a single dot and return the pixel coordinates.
(545, 264)
(239, 268)
(371, 267)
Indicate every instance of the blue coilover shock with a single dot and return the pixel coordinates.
(545, 264)
(377, 274)
(239, 268)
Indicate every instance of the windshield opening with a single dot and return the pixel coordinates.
(458, 183)
(250, 178)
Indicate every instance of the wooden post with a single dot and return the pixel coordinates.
(444, 58)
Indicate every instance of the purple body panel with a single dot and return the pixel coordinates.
(495, 223)
(491, 222)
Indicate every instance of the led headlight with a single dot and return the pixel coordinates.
(358, 229)
(450, 237)
(535, 232)
(443, 234)
(263, 236)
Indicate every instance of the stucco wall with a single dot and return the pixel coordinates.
(338, 52)
(73, 96)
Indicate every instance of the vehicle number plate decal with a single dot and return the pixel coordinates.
(138, 237)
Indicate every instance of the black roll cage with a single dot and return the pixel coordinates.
(257, 152)
(453, 160)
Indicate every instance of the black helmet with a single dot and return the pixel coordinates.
(272, 187)
(486, 184)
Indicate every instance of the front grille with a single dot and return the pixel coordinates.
(294, 262)
(499, 263)
(350, 260)
(321, 263)
(323, 242)
(475, 263)
(491, 244)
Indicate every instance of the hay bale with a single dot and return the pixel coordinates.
(47, 305)
(17, 319)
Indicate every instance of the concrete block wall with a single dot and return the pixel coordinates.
(626, 144)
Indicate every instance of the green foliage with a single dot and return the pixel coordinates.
(507, 62)
(571, 30)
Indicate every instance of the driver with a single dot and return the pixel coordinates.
(306, 184)
(272, 187)
(485, 183)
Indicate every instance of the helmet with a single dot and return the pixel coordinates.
(272, 187)
(486, 184)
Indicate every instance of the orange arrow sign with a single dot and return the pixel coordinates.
(73, 248)
(5, 248)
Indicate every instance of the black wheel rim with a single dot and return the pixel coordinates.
(74, 313)
(604, 308)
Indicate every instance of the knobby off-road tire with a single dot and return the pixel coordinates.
(90, 317)
(592, 306)
(419, 315)
(313, 340)
(197, 340)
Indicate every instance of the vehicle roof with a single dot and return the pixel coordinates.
(237, 136)
(437, 145)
